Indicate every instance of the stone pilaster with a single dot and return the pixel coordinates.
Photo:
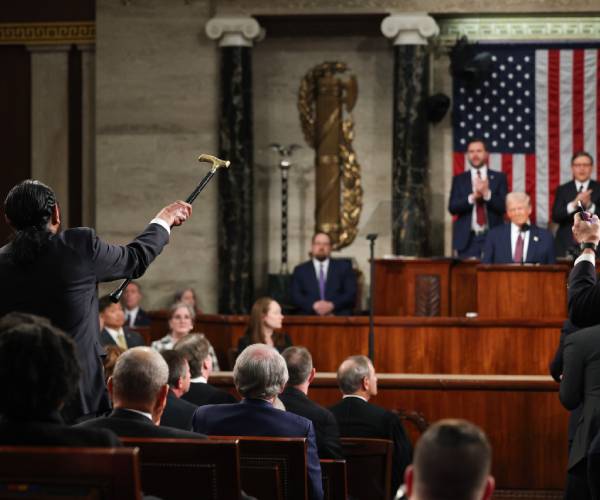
(235, 238)
(410, 218)
(50, 120)
(88, 134)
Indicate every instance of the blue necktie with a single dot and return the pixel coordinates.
(322, 281)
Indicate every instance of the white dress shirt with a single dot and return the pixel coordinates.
(131, 315)
(115, 334)
(317, 264)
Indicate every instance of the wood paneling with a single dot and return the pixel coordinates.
(521, 415)
(529, 291)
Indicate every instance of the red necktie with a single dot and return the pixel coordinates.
(518, 257)
(480, 208)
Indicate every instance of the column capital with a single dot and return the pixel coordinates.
(409, 28)
(234, 31)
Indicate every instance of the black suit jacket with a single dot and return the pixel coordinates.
(326, 427)
(357, 418)
(52, 431)
(580, 385)
(498, 250)
(133, 339)
(201, 394)
(61, 285)
(584, 295)
(178, 413)
(141, 318)
(565, 194)
(593, 467)
(126, 423)
(459, 205)
(340, 287)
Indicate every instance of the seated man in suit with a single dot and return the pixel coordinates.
(196, 350)
(38, 374)
(581, 188)
(322, 285)
(131, 300)
(452, 460)
(477, 201)
(113, 331)
(259, 375)
(178, 412)
(357, 417)
(295, 398)
(138, 389)
(518, 241)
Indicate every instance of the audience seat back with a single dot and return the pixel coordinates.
(369, 466)
(272, 467)
(173, 469)
(334, 479)
(67, 472)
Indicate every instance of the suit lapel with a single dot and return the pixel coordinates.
(532, 248)
(506, 243)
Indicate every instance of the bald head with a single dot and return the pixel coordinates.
(139, 378)
(260, 372)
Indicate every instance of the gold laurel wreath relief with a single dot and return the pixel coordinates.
(350, 178)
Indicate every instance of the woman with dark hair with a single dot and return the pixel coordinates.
(188, 296)
(265, 318)
(54, 274)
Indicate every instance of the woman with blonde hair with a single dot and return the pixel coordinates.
(265, 319)
(181, 323)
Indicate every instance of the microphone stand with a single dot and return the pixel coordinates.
(371, 237)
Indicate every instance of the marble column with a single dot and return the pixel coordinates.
(88, 134)
(235, 208)
(410, 217)
(50, 120)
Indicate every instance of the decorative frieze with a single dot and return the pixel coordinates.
(47, 33)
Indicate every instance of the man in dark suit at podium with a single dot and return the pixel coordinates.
(322, 285)
(518, 241)
(477, 200)
(581, 188)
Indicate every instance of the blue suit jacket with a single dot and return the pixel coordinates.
(459, 205)
(255, 417)
(497, 249)
(340, 287)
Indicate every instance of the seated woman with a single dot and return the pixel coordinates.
(188, 296)
(181, 323)
(265, 317)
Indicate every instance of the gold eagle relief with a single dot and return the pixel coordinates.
(322, 99)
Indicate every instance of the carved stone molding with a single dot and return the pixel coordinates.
(47, 33)
(410, 28)
(234, 31)
(520, 28)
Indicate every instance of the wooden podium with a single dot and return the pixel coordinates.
(529, 291)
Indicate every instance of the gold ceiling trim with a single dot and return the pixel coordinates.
(48, 33)
(520, 28)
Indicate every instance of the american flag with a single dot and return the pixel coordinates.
(535, 109)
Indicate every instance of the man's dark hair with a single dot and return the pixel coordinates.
(28, 207)
(579, 154)
(477, 139)
(452, 461)
(104, 302)
(42, 359)
(195, 349)
(176, 362)
(299, 364)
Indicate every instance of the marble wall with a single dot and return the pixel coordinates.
(156, 111)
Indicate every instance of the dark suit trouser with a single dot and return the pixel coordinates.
(577, 485)
(475, 246)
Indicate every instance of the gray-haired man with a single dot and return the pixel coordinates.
(259, 375)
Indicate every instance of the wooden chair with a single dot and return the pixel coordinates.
(414, 423)
(174, 469)
(272, 468)
(369, 466)
(334, 479)
(61, 472)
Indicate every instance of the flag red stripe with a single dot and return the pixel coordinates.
(530, 183)
(578, 96)
(507, 168)
(458, 163)
(553, 127)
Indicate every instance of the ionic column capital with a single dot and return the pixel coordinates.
(409, 28)
(234, 31)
